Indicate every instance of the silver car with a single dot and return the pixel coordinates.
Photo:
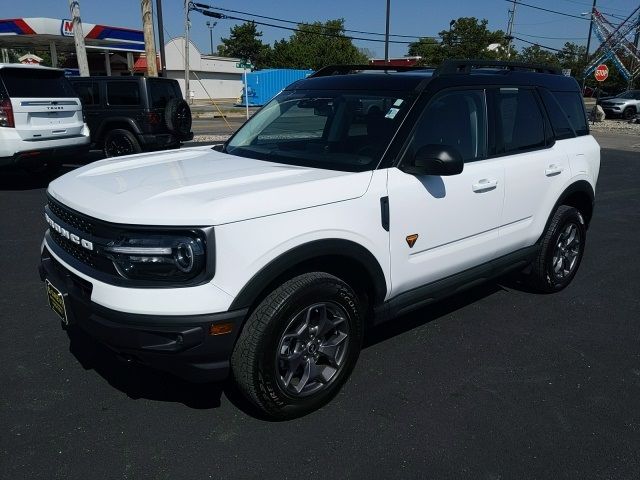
(625, 104)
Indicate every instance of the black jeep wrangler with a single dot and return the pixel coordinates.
(128, 115)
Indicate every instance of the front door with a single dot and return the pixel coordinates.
(455, 218)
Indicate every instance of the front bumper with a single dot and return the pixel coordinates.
(180, 345)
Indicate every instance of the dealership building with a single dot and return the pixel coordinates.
(119, 51)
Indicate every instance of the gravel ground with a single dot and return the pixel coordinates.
(620, 126)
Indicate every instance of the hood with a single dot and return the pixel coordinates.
(198, 187)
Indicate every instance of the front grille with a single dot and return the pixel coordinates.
(76, 251)
(70, 218)
(87, 228)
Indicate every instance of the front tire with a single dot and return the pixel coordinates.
(299, 345)
(628, 113)
(560, 252)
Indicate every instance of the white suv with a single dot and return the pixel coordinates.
(41, 119)
(349, 199)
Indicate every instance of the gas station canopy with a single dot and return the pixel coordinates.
(41, 32)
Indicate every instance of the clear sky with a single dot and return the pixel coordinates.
(408, 17)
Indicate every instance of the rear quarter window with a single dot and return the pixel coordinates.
(573, 106)
(562, 128)
(35, 83)
(123, 93)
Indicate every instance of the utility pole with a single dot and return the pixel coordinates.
(386, 34)
(512, 18)
(586, 54)
(186, 50)
(163, 60)
(78, 35)
(149, 38)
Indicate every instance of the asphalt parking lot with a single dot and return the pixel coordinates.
(495, 383)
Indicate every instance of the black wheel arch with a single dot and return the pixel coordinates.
(579, 195)
(345, 259)
(113, 123)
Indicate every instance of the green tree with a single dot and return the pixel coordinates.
(468, 38)
(316, 45)
(244, 43)
(538, 55)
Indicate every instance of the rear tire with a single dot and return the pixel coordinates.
(560, 252)
(299, 345)
(177, 116)
(121, 142)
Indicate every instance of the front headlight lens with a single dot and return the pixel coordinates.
(157, 257)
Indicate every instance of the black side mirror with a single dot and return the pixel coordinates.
(435, 160)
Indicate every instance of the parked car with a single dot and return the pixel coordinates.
(128, 115)
(268, 257)
(41, 120)
(625, 104)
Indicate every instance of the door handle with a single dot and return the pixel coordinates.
(552, 170)
(484, 185)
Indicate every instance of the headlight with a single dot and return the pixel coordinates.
(157, 257)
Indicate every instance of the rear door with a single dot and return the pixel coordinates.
(45, 106)
(535, 167)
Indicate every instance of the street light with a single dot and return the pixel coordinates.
(211, 25)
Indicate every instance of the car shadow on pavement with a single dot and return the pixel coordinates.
(138, 381)
(399, 325)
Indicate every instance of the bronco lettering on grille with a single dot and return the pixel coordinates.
(68, 235)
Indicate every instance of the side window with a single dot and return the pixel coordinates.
(518, 123)
(573, 106)
(123, 93)
(88, 92)
(559, 122)
(456, 119)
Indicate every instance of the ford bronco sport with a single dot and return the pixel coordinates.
(351, 198)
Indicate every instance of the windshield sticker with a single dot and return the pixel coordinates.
(392, 113)
(398, 102)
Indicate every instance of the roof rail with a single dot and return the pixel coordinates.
(449, 67)
(347, 69)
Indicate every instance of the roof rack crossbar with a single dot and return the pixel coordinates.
(347, 69)
(449, 67)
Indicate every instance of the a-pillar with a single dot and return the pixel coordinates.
(54, 54)
(107, 63)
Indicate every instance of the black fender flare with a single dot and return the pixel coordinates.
(107, 124)
(581, 186)
(310, 251)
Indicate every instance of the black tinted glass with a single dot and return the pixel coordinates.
(559, 122)
(455, 119)
(573, 106)
(162, 92)
(519, 124)
(35, 83)
(88, 92)
(123, 93)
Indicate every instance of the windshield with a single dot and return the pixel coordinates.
(338, 130)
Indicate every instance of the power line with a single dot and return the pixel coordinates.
(548, 10)
(538, 45)
(551, 38)
(297, 30)
(306, 23)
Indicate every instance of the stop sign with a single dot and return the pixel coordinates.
(601, 73)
